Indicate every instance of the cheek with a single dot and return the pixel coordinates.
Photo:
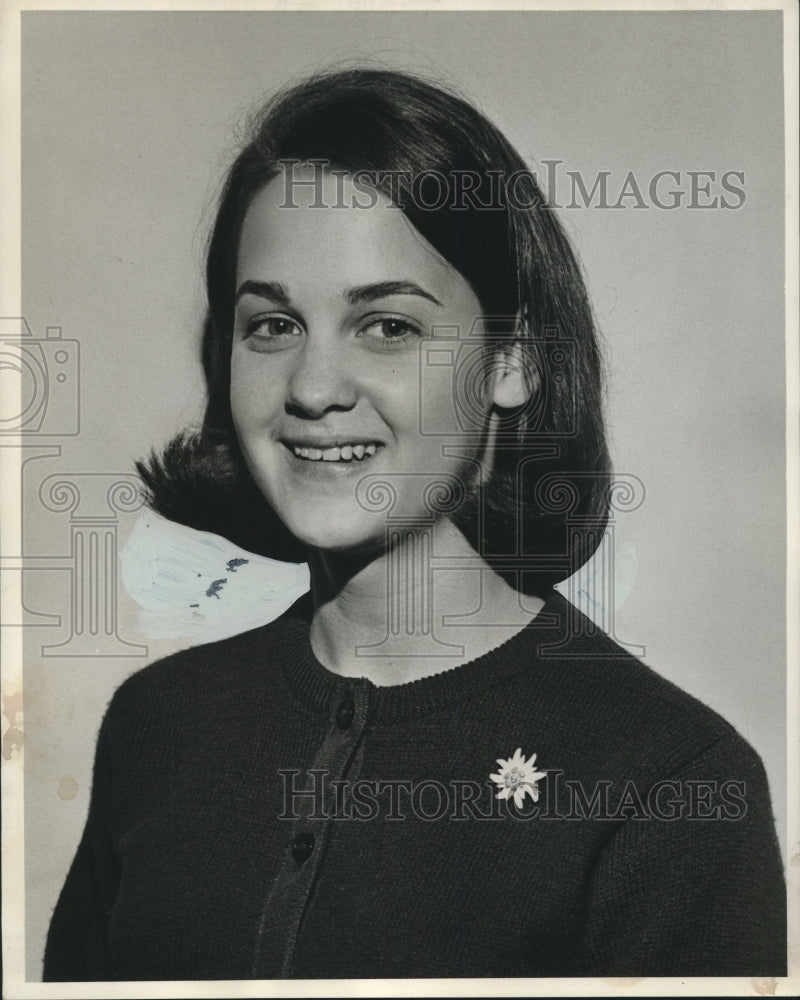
(455, 393)
(474, 389)
(255, 392)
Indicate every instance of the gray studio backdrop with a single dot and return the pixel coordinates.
(128, 120)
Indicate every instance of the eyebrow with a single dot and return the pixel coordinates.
(272, 290)
(277, 293)
(383, 289)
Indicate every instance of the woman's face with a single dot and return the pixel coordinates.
(330, 382)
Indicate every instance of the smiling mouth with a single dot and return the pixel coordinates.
(340, 453)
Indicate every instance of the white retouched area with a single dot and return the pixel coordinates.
(198, 586)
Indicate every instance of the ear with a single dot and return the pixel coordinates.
(515, 378)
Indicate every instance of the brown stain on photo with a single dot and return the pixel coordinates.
(14, 737)
(765, 987)
(67, 788)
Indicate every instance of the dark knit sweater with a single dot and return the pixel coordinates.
(651, 849)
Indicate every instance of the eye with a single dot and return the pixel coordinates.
(388, 332)
(271, 332)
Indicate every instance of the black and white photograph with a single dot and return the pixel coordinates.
(400, 539)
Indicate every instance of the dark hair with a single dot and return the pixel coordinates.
(543, 509)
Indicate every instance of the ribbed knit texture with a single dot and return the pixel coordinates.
(186, 871)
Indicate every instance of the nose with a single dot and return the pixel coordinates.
(320, 380)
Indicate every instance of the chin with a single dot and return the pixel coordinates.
(335, 536)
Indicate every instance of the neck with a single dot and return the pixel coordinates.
(411, 609)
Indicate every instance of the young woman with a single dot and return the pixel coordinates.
(433, 765)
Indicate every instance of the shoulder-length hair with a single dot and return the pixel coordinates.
(543, 508)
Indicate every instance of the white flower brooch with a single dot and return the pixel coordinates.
(517, 777)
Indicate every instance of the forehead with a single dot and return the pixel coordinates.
(321, 235)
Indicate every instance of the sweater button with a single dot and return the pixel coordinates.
(302, 846)
(345, 713)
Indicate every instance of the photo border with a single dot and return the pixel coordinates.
(13, 905)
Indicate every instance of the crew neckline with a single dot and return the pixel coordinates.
(322, 688)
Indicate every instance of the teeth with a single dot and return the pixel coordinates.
(345, 453)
